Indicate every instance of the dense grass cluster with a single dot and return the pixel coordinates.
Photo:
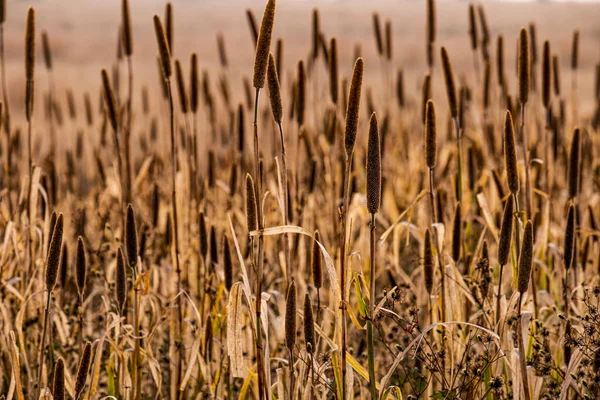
(305, 237)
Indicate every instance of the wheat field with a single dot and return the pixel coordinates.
(299, 200)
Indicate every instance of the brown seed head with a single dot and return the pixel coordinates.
(473, 27)
(227, 263)
(546, 70)
(317, 264)
(569, 238)
(58, 385)
(169, 25)
(449, 79)
(373, 167)
(556, 74)
(194, 82)
(203, 235)
(505, 233)
(54, 254)
(400, 88)
(252, 24)
(575, 50)
(316, 31)
(309, 325)
(163, 45)
(251, 210)
(510, 154)
(456, 233)
(131, 237)
(524, 71)
(83, 368)
(431, 23)
(526, 258)
(126, 26)
(47, 52)
(274, 91)
(263, 45)
(301, 94)
(183, 99)
(109, 97)
(377, 33)
(80, 266)
(388, 39)
(352, 112)
(500, 62)
(430, 135)
(290, 317)
(121, 281)
(30, 44)
(425, 95)
(428, 263)
(574, 161)
(333, 70)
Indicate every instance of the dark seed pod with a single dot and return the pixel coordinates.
(183, 98)
(352, 112)
(556, 74)
(473, 27)
(2, 11)
(316, 261)
(569, 237)
(425, 95)
(290, 317)
(54, 254)
(428, 263)
(80, 266)
(53, 218)
(456, 234)
(274, 92)
(58, 385)
(203, 235)
(227, 263)
(169, 26)
(500, 62)
(510, 154)
(430, 135)
(164, 47)
(126, 26)
(574, 161)
(546, 70)
(279, 56)
(526, 258)
(83, 369)
(252, 25)
(524, 68)
(505, 233)
(251, 210)
(301, 96)
(377, 34)
(486, 85)
(333, 71)
(121, 281)
(373, 167)
(309, 325)
(30, 44)
(449, 79)
(316, 31)
(431, 25)
(131, 237)
(575, 50)
(64, 265)
(221, 49)
(400, 88)
(194, 82)
(47, 52)
(109, 96)
(263, 45)
(388, 39)
(89, 115)
(214, 251)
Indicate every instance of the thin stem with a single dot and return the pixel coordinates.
(459, 159)
(284, 183)
(43, 342)
(522, 354)
(499, 294)
(370, 343)
(175, 231)
(291, 371)
(137, 376)
(257, 183)
(343, 269)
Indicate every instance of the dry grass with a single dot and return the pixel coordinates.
(442, 236)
